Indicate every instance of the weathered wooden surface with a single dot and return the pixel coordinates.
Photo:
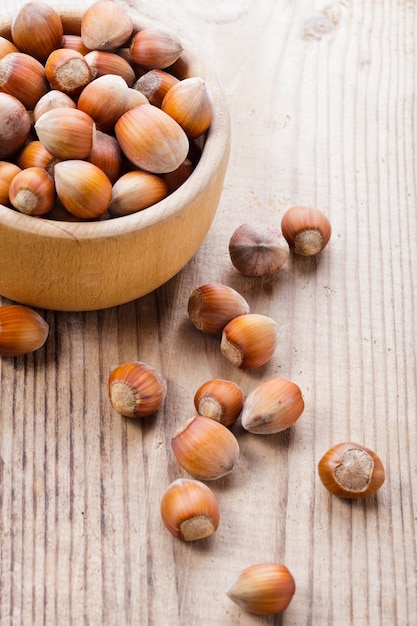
(322, 100)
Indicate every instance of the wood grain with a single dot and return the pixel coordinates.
(322, 101)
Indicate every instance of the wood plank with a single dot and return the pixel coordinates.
(323, 109)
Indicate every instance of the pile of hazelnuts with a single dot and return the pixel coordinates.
(97, 124)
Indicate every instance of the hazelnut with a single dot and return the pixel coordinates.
(37, 30)
(83, 188)
(306, 229)
(212, 305)
(155, 48)
(105, 25)
(349, 470)
(263, 589)
(221, 400)
(151, 139)
(136, 389)
(189, 509)
(274, 405)
(22, 330)
(13, 134)
(206, 449)
(257, 249)
(249, 341)
(32, 191)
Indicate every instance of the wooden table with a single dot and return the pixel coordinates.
(323, 109)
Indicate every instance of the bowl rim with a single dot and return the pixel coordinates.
(216, 144)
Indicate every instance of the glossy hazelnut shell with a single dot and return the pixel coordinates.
(136, 389)
(219, 399)
(22, 330)
(350, 470)
(306, 229)
(273, 406)
(189, 509)
(213, 305)
(206, 449)
(249, 341)
(263, 589)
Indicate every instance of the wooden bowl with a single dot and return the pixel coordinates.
(78, 266)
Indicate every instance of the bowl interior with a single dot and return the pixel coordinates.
(76, 265)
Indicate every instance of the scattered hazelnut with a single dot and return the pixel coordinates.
(263, 589)
(136, 389)
(249, 341)
(306, 229)
(206, 449)
(189, 509)
(274, 405)
(349, 470)
(212, 305)
(22, 330)
(257, 249)
(221, 400)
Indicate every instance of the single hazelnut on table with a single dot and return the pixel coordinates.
(22, 330)
(219, 399)
(350, 470)
(249, 341)
(206, 449)
(263, 589)
(306, 229)
(136, 389)
(274, 405)
(257, 249)
(189, 510)
(212, 305)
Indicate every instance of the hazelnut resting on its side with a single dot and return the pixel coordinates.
(258, 249)
(274, 405)
(205, 448)
(263, 589)
(22, 330)
(213, 305)
(349, 470)
(249, 341)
